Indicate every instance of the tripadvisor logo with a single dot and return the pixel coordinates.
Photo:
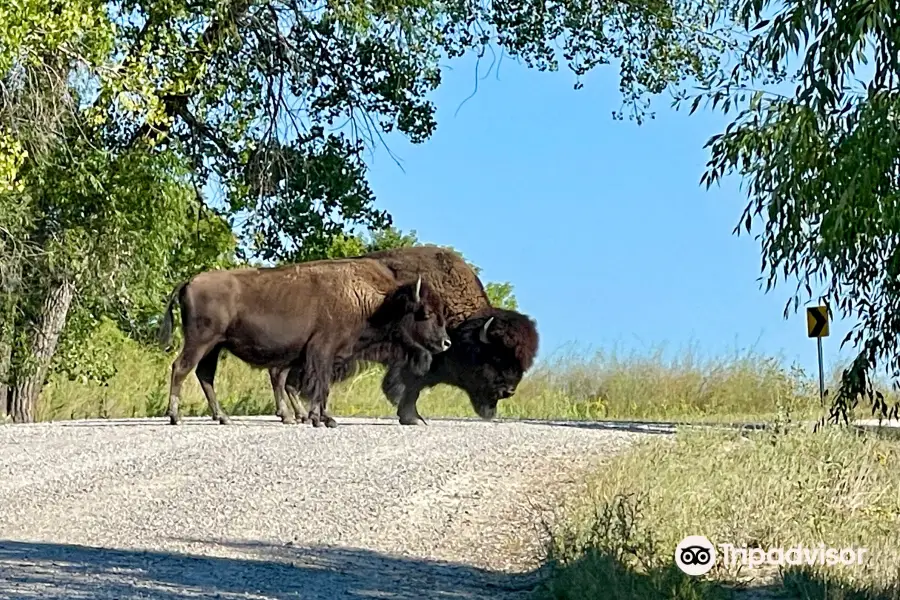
(695, 555)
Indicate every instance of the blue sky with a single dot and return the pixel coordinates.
(601, 225)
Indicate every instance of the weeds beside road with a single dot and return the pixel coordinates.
(765, 490)
(601, 386)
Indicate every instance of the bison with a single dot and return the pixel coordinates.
(491, 347)
(306, 317)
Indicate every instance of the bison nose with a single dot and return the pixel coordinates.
(445, 344)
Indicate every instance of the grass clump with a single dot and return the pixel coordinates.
(762, 490)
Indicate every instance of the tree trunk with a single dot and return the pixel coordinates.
(7, 306)
(27, 388)
(5, 356)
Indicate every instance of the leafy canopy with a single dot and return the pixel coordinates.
(818, 145)
(275, 101)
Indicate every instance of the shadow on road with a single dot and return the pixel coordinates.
(205, 421)
(62, 572)
(266, 421)
(646, 427)
(649, 427)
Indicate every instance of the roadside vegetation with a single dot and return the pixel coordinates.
(768, 489)
(605, 385)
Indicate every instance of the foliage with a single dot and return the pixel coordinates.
(40, 41)
(253, 97)
(122, 228)
(118, 116)
(343, 245)
(390, 238)
(608, 385)
(747, 489)
(501, 295)
(821, 165)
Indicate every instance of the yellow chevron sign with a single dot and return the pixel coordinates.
(817, 321)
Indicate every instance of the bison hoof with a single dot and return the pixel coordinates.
(288, 420)
(224, 420)
(414, 420)
(329, 422)
(174, 420)
(302, 419)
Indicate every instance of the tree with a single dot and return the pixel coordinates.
(501, 295)
(251, 99)
(41, 44)
(106, 225)
(821, 165)
(271, 103)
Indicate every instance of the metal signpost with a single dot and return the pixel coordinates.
(817, 327)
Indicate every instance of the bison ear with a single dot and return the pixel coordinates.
(482, 335)
(417, 295)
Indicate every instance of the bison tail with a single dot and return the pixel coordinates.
(166, 326)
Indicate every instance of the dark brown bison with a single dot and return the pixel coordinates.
(308, 317)
(491, 350)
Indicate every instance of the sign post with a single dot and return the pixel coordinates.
(817, 327)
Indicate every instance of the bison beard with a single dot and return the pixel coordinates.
(304, 318)
(491, 347)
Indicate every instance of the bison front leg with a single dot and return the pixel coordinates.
(402, 389)
(420, 360)
(294, 403)
(206, 374)
(278, 376)
(293, 393)
(316, 386)
(272, 376)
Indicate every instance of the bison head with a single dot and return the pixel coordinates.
(419, 313)
(494, 349)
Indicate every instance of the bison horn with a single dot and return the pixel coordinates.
(417, 297)
(482, 335)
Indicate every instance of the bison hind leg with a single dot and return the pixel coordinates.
(316, 381)
(191, 354)
(206, 374)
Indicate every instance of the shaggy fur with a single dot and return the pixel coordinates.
(487, 365)
(305, 318)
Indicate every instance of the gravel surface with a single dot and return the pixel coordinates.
(139, 509)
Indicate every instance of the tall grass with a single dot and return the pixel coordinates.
(766, 490)
(603, 385)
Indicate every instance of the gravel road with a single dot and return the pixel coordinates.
(139, 509)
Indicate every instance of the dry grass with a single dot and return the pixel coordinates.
(765, 490)
(603, 386)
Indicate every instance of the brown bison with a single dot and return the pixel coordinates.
(492, 347)
(306, 317)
